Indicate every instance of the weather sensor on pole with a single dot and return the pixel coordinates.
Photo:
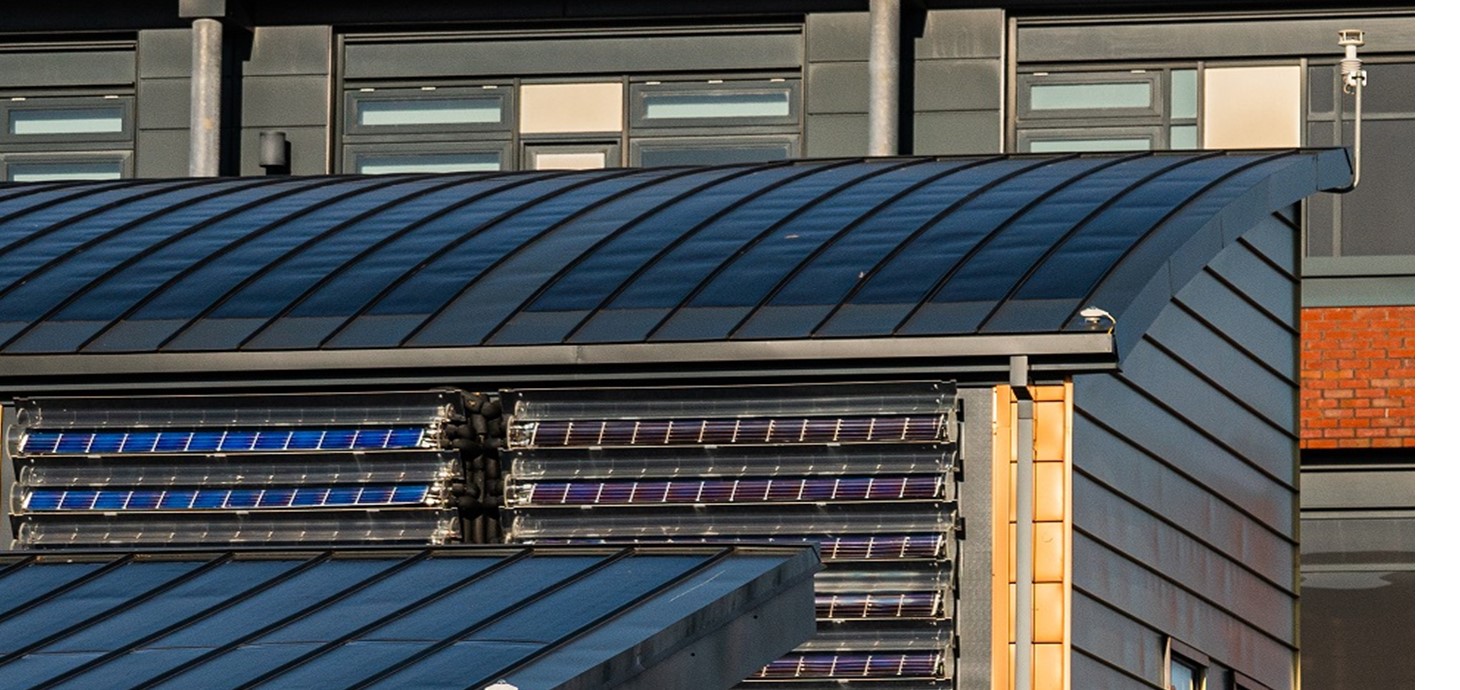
(1351, 69)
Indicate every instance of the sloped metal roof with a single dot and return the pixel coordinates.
(566, 262)
(457, 618)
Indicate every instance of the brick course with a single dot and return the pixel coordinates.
(1357, 377)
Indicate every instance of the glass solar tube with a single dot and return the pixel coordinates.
(44, 500)
(890, 578)
(745, 430)
(156, 471)
(416, 408)
(791, 489)
(908, 398)
(725, 521)
(900, 606)
(146, 441)
(764, 461)
(852, 548)
(854, 665)
(912, 636)
(385, 526)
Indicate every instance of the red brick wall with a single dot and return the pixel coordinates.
(1358, 377)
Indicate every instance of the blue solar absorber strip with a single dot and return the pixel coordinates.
(668, 432)
(52, 500)
(852, 547)
(221, 441)
(793, 490)
(901, 605)
(853, 665)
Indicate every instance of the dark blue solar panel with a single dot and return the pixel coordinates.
(422, 293)
(19, 587)
(516, 278)
(591, 257)
(92, 254)
(670, 279)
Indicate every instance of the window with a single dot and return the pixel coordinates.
(1186, 668)
(1377, 218)
(541, 124)
(65, 138)
(427, 129)
(1129, 110)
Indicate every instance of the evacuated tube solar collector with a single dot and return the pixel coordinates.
(351, 468)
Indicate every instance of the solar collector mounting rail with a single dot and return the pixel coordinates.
(864, 470)
(345, 468)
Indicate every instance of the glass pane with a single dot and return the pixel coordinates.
(1073, 145)
(1087, 96)
(1184, 676)
(1358, 629)
(712, 155)
(103, 120)
(430, 111)
(1183, 137)
(53, 172)
(706, 105)
(1183, 93)
(428, 163)
(580, 160)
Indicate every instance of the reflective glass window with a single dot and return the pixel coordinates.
(381, 164)
(433, 111)
(59, 171)
(98, 120)
(1088, 96)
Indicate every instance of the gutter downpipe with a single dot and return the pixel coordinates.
(1024, 524)
(206, 110)
(882, 73)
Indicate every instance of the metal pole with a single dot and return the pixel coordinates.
(883, 70)
(1023, 526)
(205, 140)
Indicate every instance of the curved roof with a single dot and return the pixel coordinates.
(803, 250)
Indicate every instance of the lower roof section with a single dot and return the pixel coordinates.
(568, 617)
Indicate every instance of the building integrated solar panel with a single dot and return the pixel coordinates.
(329, 468)
(791, 250)
(861, 470)
(567, 618)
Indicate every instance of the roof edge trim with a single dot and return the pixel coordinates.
(1081, 346)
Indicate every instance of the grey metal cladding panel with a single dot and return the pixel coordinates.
(1362, 489)
(23, 586)
(1269, 286)
(1207, 39)
(951, 34)
(1256, 331)
(836, 135)
(1236, 371)
(1116, 639)
(1186, 504)
(161, 153)
(1272, 239)
(614, 55)
(956, 85)
(1088, 671)
(79, 69)
(286, 101)
(163, 104)
(836, 87)
(956, 133)
(1216, 412)
(164, 53)
(1146, 595)
(837, 36)
(1132, 530)
(1355, 292)
(1126, 411)
(279, 50)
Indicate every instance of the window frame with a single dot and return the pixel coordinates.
(351, 152)
(1179, 652)
(123, 158)
(641, 90)
(1026, 137)
(612, 152)
(354, 97)
(127, 104)
(1026, 81)
(637, 145)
